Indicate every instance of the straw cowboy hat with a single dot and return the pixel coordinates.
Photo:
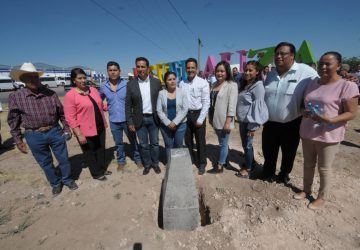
(15, 74)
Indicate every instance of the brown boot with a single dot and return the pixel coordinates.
(217, 169)
(121, 167)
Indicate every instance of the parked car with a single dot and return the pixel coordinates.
(18, 85)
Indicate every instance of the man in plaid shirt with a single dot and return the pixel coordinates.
(38, 110)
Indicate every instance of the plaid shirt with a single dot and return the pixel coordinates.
(32, 111)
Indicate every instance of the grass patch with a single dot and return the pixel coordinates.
(5, 216)
(117, 196)
(21, 227)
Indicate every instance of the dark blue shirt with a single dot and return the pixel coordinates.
(171, 109)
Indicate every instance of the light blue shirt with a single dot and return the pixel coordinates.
(251, 107)
(115, 100)
(284, 96)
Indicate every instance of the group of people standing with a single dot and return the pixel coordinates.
(293, 101)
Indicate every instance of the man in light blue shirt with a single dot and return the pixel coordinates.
(114, 91)
(284, 92)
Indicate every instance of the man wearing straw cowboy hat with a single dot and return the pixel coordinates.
(38, 110)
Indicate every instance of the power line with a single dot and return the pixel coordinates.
(130, 27)
(182, 19)
(169, 31)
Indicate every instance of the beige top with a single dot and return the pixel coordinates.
(225, 105)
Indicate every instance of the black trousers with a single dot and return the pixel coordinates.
(284, 136)
(94, 152)
(199, 133)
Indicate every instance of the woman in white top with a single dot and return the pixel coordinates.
(223, 98)
(172, 108)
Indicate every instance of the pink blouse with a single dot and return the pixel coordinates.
(79, 111)
(331, 98)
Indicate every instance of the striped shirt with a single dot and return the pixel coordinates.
(32, 111)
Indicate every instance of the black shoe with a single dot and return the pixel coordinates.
(270, 179)
(283, 178)
(72, 185)
(201, 171)
(100, 178)
(107, 172)
(157, 169)
(146, 170)
(57, 190)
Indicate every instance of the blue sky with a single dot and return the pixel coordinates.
(79, 32)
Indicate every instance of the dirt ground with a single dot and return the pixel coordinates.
(122, 212)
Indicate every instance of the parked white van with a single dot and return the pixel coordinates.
(62, 80)
(6, 84)
(49, 81)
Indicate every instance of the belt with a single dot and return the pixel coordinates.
(194, 111)
(147, 114)
(41, 129)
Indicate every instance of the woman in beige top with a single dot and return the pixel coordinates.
(223, 98)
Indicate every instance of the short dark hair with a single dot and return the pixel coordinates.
(227, 67)
(167, 74)
(74, 73)
(112, 63)
(142, 59)
(290, 45)
(337, 55)
(191, 60)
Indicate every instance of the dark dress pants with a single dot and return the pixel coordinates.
(94, 152)
(284, 136)
(199, 133)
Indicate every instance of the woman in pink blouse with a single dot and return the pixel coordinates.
(83, 109)
(329, 103)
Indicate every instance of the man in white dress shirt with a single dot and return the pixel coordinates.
(284, 92)
(198, 93)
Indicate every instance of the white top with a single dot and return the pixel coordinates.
(145, 95)
(283, 96)
(198, 94)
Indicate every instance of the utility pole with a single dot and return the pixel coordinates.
(199, 46)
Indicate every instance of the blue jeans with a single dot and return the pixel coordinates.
(117, 129)
(149, 131)
(247, 143)
(41, 144)
(173, 138)
(223, 139)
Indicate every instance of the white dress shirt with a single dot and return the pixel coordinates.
(145, 95)
(198, 93)
(284, 96)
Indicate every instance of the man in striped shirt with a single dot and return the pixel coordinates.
(38, 110)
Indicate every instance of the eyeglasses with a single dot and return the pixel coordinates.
(282, 54)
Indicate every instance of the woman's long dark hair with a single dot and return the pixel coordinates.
(227, 67)
(258, 68)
